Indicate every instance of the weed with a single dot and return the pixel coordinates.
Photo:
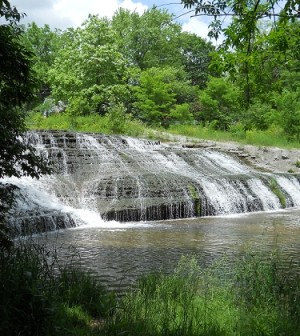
(275, 188)
(196, 198)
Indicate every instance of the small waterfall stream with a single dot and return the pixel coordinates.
(99, 177)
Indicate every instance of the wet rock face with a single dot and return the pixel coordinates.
(127, 179)
(26, 217)
(29, 223)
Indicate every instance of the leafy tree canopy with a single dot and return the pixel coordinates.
(162, 96)
(245, 13)
(88, 68)
(17, 84)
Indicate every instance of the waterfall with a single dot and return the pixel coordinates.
(99, 178)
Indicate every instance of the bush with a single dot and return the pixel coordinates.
(116, 113)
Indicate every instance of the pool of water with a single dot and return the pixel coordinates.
(119, 253)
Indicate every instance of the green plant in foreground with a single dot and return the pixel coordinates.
(253, 297)
(38, 296)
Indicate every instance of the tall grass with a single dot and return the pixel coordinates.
(254, 298)
(93, 123)
(271, 137)
(38, 296)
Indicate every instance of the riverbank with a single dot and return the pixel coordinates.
(255, 297)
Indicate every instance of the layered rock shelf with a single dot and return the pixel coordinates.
(127, 179)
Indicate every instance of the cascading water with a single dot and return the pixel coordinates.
(125, 179)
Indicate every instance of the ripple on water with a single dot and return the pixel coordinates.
(120, 253)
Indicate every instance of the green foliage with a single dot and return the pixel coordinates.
(148, 64)
(16, 88)
(116, 114)
(173, 305)
(220, 103)
(87, 67)
(181, 114)
(92, 123)
(196, 199)
(274, 136)
(196, 54)
(148, 40)
(39, 296)
(260, 116)
(275, 188)
(289, 105)
(44, 44)
(246, 13)
(17, 84)
(254, 297)
(157, 94)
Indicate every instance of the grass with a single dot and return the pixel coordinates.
(93, 123)
(275, 188)
(38, 296)
(254, 296)
(101, 124)
(272, 137)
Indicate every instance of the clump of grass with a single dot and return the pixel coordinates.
(196, 199)
(176, 304)
(254, 296)
(275, 188)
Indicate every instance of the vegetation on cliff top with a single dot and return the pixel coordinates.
(114, 68)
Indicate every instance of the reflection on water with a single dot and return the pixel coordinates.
(119, 253)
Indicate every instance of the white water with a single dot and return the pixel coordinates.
(106, 174)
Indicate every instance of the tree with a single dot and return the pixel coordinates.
(163, 96)
(196, 57)
(17, 157)
(89, 69)
(44, 44)
(245, 13)
(242, 31)
(148, 40)
(220, 103)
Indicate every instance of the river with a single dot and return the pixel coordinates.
(119, 253)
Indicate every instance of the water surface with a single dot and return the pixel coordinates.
(119, 253)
